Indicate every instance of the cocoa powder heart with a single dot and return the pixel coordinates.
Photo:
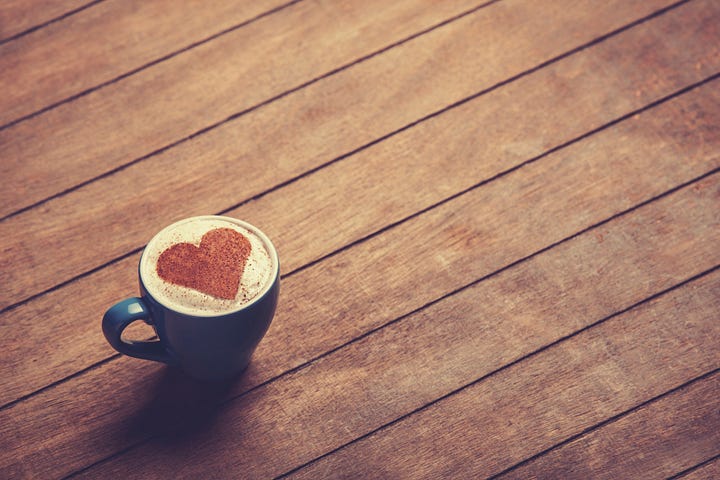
(215, 267)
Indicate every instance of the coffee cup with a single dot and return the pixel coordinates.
(209, 287)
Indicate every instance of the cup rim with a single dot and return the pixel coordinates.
(196, 313)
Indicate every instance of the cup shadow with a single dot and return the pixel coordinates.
(180, 406)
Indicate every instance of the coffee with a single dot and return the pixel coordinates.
(207, 266)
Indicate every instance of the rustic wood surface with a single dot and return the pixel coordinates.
(498, 225)
(705, 471)
(19, 17)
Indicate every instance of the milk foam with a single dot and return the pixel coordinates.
(257, 276)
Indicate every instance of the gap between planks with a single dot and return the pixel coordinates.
(645, 304)
(445, 200)
(660, 297)
(45, 23)
(414, 311)
(146, 65)
(608, 422)
(707, 470)
(316, 79)
(386, 228)
(390, 135)
(585, 432)
(49, 266)
(391, 322)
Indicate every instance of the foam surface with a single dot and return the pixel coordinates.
(258, 273)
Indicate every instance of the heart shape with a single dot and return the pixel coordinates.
(215, 267)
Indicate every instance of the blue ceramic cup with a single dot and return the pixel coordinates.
(206, 345)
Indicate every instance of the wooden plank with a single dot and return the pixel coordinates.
(111, 405)
(108, 41)
(358, 389)
(492, 424)
(178, 97)
(201, 174)
(708, 471)
(661, 439)
(18, 16)
(392, 183)
(184, 101)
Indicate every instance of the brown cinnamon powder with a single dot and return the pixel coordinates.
(215, 267)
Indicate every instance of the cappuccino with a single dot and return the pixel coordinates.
(208, 266)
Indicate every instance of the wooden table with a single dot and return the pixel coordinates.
(498, 223)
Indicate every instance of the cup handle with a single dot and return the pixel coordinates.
(122, 314)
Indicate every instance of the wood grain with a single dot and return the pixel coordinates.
(384, 196)
(188, 92)
(511, 218)
(661, 439)
(109, 40)
(203, 172)
(570, 386)
(710, 471)
(305, 220)
(498, 237)
(534, 404)
(18, 16)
